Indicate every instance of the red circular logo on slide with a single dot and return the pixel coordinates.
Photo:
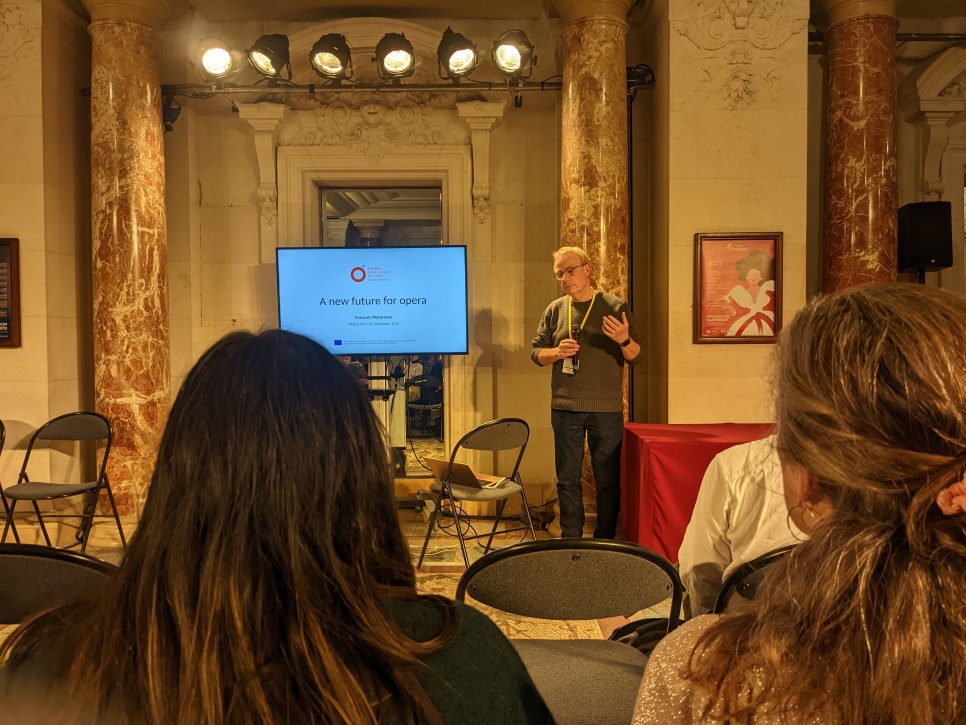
(358, 274)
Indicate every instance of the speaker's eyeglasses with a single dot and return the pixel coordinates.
(569, 272)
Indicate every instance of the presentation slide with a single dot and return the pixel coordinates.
(375, 301)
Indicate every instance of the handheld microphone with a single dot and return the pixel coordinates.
(575, 333)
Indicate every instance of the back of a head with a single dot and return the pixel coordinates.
(871, 399)
(271, 442)
(871, 403)
(257, 584)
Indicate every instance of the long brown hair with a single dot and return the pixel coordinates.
(865, 621)
(256, 587)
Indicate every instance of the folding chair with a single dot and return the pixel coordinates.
(585, 680)
(745, 580)
(36, 578)
(3, 438)
(72, 427)
(503, 434)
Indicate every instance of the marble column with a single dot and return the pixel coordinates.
(861, 186)
(130, 270)
(593, 173)
(593, 160)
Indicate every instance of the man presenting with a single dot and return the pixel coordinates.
(588, 339)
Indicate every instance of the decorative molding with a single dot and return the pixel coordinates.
(954, 89)
(930, 98)
(374, 126)
(740, 44)
(264, 118)
(481, 116)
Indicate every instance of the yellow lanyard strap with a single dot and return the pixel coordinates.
(570, 314)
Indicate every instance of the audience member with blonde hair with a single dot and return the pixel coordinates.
(268, 581)
(865, 622)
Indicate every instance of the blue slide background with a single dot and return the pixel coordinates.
(411, 300)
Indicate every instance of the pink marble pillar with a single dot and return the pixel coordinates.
(131, 371)
(593, 173)
(593, 162)
(861, 186)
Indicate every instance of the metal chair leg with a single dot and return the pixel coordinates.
(459, 530)
(117, 517)
(40, 519)
(432, 527)
(10, 525)
(526, 510)
(499, 512)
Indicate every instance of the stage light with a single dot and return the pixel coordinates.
(269, 55)
(394, 56)
(513, 53)
(216, 61)
(456, 54)
(331, 57)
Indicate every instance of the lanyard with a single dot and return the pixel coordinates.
(570, 313)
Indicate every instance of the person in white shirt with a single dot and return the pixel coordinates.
(739, 515)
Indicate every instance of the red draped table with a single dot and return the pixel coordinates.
(661, 470)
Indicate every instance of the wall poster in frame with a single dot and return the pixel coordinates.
(737, 287)
(9, 293)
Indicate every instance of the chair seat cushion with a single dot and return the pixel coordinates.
(37, 490)
(462, 493)
(584, 680)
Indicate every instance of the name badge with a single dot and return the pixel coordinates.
(568, 366)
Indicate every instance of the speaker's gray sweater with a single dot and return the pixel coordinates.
(598, 385)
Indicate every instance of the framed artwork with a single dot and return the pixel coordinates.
(9, 293)
(737, 287)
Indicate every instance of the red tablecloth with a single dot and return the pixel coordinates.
(661, 470)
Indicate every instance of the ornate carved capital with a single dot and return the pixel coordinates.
(840, 11)
(571, 10)
(148, 12)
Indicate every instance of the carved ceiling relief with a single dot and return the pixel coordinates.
(739, 46)
(373, 126)
(15, 39)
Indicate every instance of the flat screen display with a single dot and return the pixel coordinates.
(375, 300)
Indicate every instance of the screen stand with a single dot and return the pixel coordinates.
(389, 405)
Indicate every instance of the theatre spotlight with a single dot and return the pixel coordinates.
(216, 61)
(457, 55)
(331, 57)
(269, 55)
(513, 54)
(394, 56)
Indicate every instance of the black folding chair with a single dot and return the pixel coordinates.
(36, 578)
(503, 434)
(745, 580)
(77, 428)
(582, 680)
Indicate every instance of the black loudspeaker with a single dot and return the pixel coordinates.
(926, 236)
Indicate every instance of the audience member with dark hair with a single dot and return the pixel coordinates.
(865, 621)
(269, 581)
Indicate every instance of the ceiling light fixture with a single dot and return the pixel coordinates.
(456, 54)
(269, 56)
(513, 54)
(394, 57)
(331, 58)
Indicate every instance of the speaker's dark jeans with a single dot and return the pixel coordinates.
(604, 432)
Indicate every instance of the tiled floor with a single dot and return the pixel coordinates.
(419, 448)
